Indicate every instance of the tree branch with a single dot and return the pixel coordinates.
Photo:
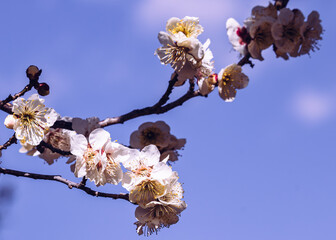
(10, 141)
(43, 145)
(157, 108)
(70, 184)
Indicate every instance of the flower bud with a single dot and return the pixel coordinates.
(213, 79)
(9, 121)
(43, 89)
(33, 73)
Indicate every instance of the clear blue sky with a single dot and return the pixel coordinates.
(260, 168)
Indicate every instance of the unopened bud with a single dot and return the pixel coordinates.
(213, 79)
(43, 89)
(33, 73)
(9, 121)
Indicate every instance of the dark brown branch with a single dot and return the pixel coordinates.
(21, 93)
(155, 109)
(67, 182)
(10, 141)
(43, 145)
(246, 60)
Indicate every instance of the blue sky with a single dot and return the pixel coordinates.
(260, 168)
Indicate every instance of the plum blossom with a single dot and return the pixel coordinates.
(183, 51)
(57, 138)
(157, 133)
(261, 36)
(311, 31)
(189, 26)
(230, 79)
(98, 159)
(147, 178)
(238, 36)
(32, 119)
(207, 65)
(286, 31)
(161, 213)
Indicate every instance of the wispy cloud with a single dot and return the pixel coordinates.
(313, 107)
(154, 13)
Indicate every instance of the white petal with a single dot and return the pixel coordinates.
(98, 138)
(78, 144)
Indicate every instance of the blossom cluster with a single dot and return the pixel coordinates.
(150, 181)
(190, 59)
(183, 51)
(285, 29)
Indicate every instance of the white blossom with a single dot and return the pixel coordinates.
(182, 53)
(32, 119)
(157, 133)
(98, 159)
(238, 36)
(311, 32)
(57, 138)
(261, 36)
(147, 178)
(230, 79)
(188, 26)
(286, 31)
(161, 213)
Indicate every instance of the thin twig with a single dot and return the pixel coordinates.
(155, 109)
(70, 184)
(10, 141)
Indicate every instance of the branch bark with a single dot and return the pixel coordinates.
(10, 141)
(70, 184)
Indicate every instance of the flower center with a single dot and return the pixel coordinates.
(147, 191)
(227, 77)
(290, 33)
(186, 28)
(176, 56)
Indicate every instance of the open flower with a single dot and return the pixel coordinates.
(286, 31)
(157, 133)
(311, 31)
(147, 178)
(161, 213)
(98, 159)
(230, 79)
(238, 36)
(182, 53)
(261, 35)
(32, 119)
(57, 138)
(189, 26)
(207, 65)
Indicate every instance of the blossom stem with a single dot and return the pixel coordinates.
(70, 184)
